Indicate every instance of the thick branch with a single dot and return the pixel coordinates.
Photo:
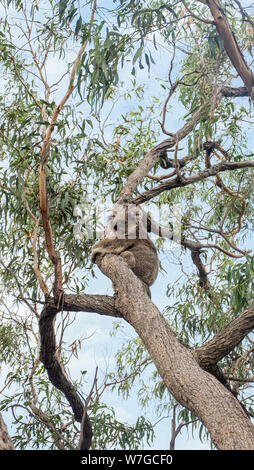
(227, 339)
(101, 304)
(56, 373)
(232, 92)
(151, 158)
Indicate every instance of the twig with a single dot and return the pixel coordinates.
(21, 296)
(171, 92)
(223, 235)
(196, 16)
(248, 18)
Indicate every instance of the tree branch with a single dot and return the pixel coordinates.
(227, 339)
(101, 304)
(5, 440)
(196, 16)
(232, 92)
(207, 173)
(56, 373)
(248, 18)
(230, 44)
(152, 156)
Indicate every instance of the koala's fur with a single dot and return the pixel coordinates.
(126, 236)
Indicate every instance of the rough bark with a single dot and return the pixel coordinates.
(5, 440)
(101, 304)
(192, 386)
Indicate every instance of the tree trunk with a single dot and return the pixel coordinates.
(5, 440)
(194, 388)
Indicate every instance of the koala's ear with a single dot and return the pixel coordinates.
(149, 223)
(164, 160)
(93, 256)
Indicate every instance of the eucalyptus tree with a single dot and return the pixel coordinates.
(71, 132)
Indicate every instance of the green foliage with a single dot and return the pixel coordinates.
(241, 283)
(109, 433)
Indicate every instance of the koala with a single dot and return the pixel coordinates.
(126, 236)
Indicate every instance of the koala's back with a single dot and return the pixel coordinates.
(140, 254)
(146, 260)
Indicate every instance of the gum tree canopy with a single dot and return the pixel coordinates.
(136, 102)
